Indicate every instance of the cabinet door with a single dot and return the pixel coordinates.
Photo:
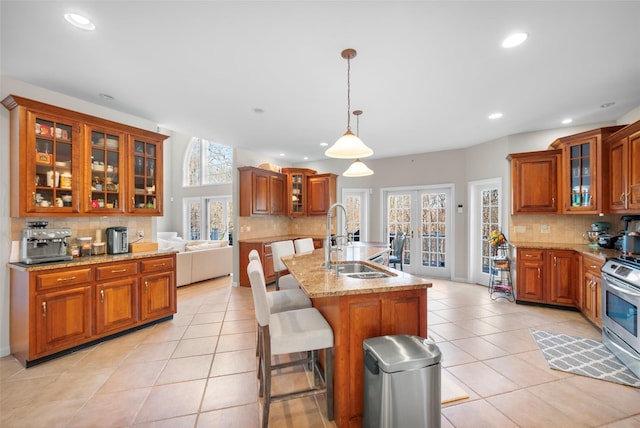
(51, 180)
(278, 192)
(534, 184)
(581, 181)
(563, 273)
(297, 196)
(105, 165)
(62, 319)
(618, 156)
(321, 193)
(145, 176)
(530, 275)
(116, 305)
(158, 296)
(633, 182)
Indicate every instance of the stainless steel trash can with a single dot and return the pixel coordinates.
(401, 382)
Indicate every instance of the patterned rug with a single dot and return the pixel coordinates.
(586, 357)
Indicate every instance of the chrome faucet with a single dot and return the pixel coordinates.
(345, 237)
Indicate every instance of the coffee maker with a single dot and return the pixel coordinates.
(41, 245)
(117, 240)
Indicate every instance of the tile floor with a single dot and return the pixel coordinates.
(198, 370)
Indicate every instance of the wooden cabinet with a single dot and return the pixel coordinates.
(297, 190)
(65, 163)
(591, 289)
(56, 309)
(584, 178)
(547, 276)
(321, 193)
(563, 274)
(358, 317)
(530, 275)
(262, 192)
(624, 170)
(264, 250)
(534, 182)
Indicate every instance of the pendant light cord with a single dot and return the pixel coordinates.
(348, 94)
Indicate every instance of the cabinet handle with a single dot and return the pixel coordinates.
(593, 266)
(118, 270)
(555, 261)
(44, 309)
(528, 255)
(69, 278)
(538, 273)
(553, 202)
(146, 285)
(101, 296)
(158, 265)
(622, 197)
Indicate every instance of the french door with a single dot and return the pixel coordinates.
(485, 215)
(424, 215)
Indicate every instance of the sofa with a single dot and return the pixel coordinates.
(197, 260)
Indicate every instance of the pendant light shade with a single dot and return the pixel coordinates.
(357, 169)
(349, 146)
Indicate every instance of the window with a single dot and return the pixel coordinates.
(207, 163)
(490, 220)
(209, 217)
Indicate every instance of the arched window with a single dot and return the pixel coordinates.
(207, 163)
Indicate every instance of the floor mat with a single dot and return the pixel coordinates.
(586, 357)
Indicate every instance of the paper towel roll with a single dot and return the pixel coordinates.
(98, 235)
(15, 252)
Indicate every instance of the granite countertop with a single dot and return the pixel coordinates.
(599, 252)
(309, 270)
(89, 260)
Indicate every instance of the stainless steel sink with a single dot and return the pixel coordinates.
(361, 270)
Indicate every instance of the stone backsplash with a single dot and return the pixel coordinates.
(262, 227)
(549, 228)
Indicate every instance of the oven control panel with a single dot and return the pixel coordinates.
(623, 270)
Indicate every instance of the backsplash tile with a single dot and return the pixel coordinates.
(566, 229)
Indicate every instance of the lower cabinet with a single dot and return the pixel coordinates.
(591, 289)
(53, 310)
(547, 276)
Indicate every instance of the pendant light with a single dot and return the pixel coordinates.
(349, 146)
(357, 168)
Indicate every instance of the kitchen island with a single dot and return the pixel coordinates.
(358, 309)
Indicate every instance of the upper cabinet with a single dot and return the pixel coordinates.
(65, 163)
(321, 193)
(624, 170)
(534, 182)
(262, 192)
(297, 190)
(584, 165)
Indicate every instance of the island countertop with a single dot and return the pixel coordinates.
(308, 269)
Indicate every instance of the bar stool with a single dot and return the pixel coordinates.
(278, 250)
(303, 331)
(304, 245)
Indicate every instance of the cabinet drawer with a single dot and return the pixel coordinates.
(592, 265)
(527, 254)
(63, 278)
(157, 265)
(116, 270)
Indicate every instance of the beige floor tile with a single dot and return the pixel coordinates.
(48, 414)
(202, 330)
(624, 398)
(192, 347)
(230, 391)
(166, 332)
(633, 422)
(519, 371)
(450, 331)
(219, 307)
(208, 317)
(132, 376)
(479, 348)
(236, 342)
(232, 417)
(226, 363)
(74, 384)
(477, 326)
(116, 409)
(21, 392)
(240, 326)
(175, 399)
(476, 414)
(536, 413)
(513, 341)
(152, 352)
(484, 380)
(183, 369)
(453, 314)
(453, 356)
(242, 314)
(188, 421)
(300, 412)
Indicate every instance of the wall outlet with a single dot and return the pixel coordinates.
(520, 229)
(141, 234)
(544, 228)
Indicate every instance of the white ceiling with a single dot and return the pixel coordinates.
(427, 73)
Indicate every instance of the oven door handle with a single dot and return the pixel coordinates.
(619, 286)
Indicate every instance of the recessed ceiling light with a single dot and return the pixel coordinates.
(495, 116)
(106, 96)
(79, 21)
(514, 40)
(306, 158)
(607, 105)
(567, 121)
(323, 144)
(281, 154)
(258, 110)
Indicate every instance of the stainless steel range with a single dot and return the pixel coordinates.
(620, 303)
(41, 245)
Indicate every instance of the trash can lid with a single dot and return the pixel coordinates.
(402, 352)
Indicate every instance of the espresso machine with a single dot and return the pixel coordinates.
(41, 245)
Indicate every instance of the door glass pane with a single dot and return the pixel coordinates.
(399, 220)
(353, 203)
(217, 225)
(434, 231)
(195, 214)
(490, 211)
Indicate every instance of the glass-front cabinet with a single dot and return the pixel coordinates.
(297, 194)
(105, 170)
(65, 163)
(147, 180)
(51, 185)
(581, 168)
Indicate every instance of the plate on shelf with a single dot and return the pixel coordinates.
(112, 144)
